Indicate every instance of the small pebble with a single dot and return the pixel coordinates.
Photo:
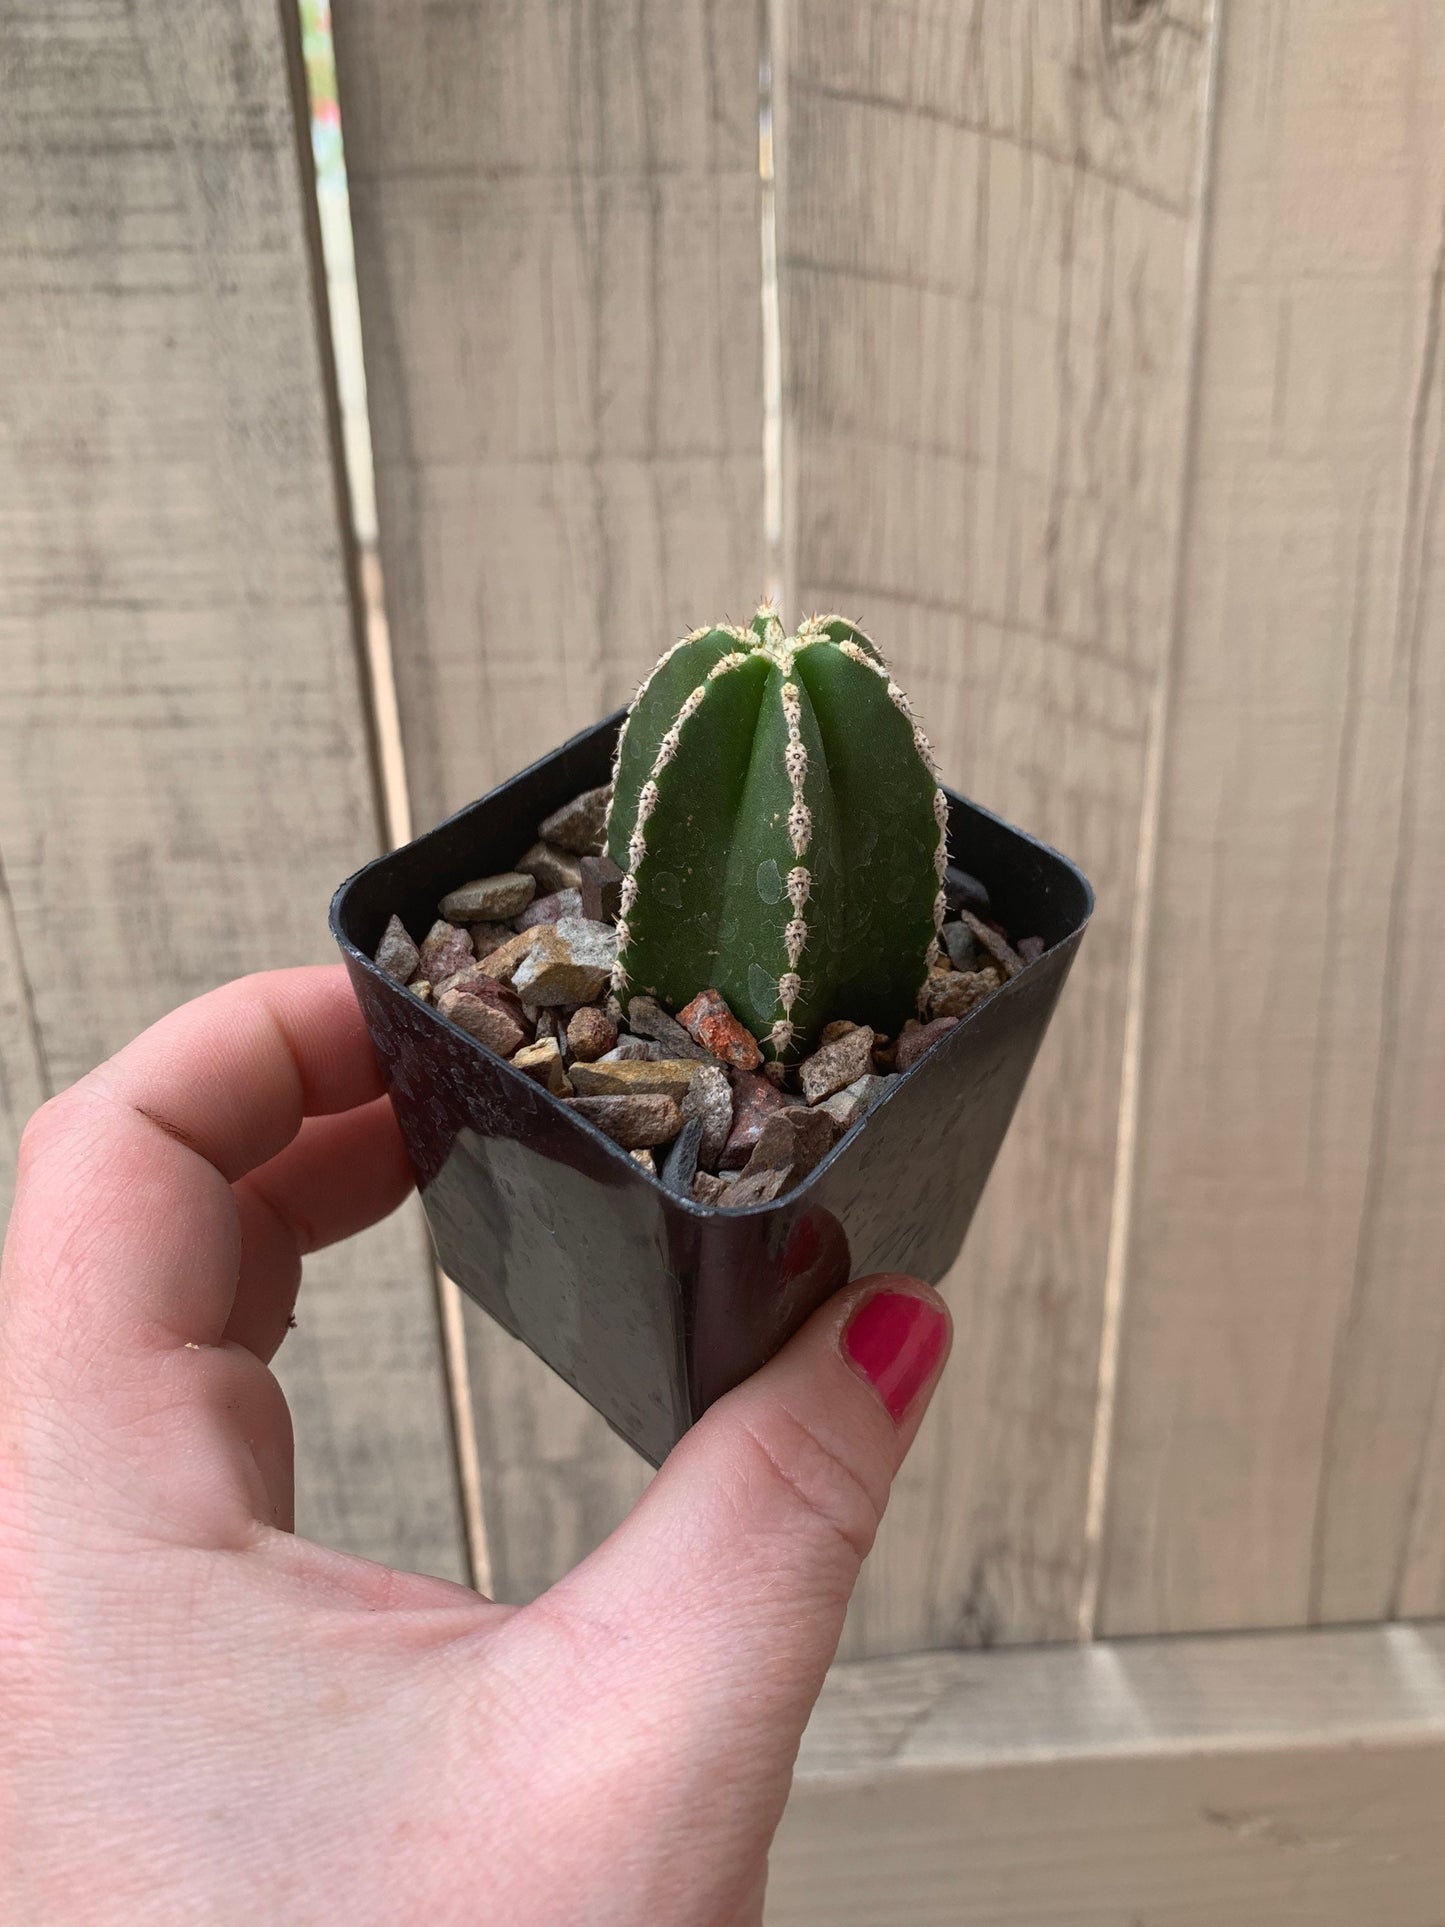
(569, 963)
(955, 992)
(591, 1033)
(964, 892)
(495, 899)
(489, 1023)
(847, 1106)
(707, 1189)
(998, 947)
(915, 1043)
(553, 869)
(647, 1018)
(502, 963)
(680, 1165)
(754, 1102)
(561, 903)
(419, 987)
(965, 952)
(636, 1123)
(543, 1061)
(709, 1021)
(839, 1027)
(444, 951)
(671, 1075)
(837, 1064)
(646, 1160)
(633, 1050)
(396, 954)
(790, 1145)
(579, 826)
(1031, 948)
(601, 889)
(486, 936)
(710, 1097)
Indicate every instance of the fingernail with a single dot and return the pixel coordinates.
(895, 1341)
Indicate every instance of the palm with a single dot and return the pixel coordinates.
(209, 1719)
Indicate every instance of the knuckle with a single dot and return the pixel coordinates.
(43, 1132)
(815, 1485)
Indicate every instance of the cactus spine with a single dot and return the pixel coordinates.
(783, 837)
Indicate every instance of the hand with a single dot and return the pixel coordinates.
(206, 1719)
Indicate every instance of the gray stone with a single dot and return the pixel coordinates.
(569, 963)
(494, 899)
(553, 869)
(561, 903)
(633, 1050)
(396, 954)
(837, 1065)
(647, 1018)
(579, 826)
(846, 1107)
(680, 1164)
(964, 892)
(488, 936)
(965, 952)
(636, 1123)
(1030, 949)
(444, 951)
(710, 1097)
(503, 961)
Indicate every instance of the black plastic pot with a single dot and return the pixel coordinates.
(652, 1306)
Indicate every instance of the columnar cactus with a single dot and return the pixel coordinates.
(782, 833)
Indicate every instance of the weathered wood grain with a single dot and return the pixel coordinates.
(1292, 1781)
(24, 1083)
(557, 222)
(184, 766)
(557, 228)
(1283, 1311)
(988, 220)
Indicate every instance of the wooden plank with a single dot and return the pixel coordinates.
(988, 223)
(557, 221)
(1284, 1321)
(1292, 1780)
(24, 1083)
(184, 765)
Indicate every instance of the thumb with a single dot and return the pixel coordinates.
(732, 1576)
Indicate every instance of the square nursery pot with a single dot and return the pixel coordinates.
(649, 1304)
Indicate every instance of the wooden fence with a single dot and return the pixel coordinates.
(1101, 376)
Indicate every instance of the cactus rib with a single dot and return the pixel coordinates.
(782, 836)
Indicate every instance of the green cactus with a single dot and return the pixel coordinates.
(777, 815)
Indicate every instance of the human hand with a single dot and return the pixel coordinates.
(206, 1719)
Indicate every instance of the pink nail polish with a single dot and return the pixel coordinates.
(895, 1341)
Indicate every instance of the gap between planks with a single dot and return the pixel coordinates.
(388, 753)
(1121, 1214)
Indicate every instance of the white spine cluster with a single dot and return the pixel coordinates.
(800, 834)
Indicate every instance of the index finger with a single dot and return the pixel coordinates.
(125, 1231)
(231, 1075)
